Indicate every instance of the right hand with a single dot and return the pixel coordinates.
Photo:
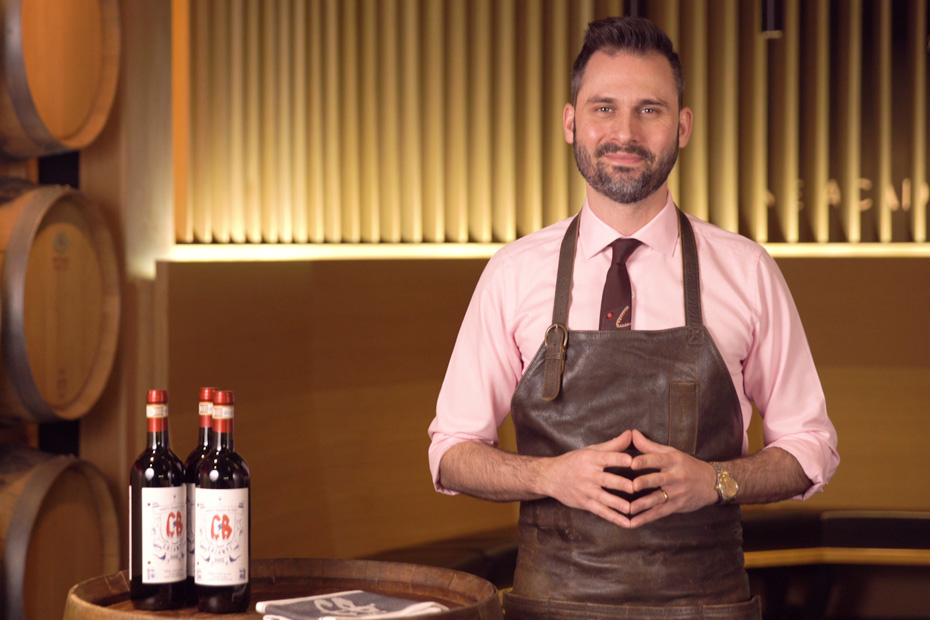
(578, 480)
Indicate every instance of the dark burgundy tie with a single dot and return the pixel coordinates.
(617, 301)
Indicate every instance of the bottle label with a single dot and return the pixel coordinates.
(157, 410)
(191, 527)
(164, 535)
(222, 557)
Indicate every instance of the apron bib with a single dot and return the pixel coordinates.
(586, 387)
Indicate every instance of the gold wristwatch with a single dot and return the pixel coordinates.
(726, 485)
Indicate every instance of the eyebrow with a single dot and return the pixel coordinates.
(642, 102)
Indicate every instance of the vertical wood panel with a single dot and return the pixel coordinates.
(421, 120)
(254, 179)
(411, 205)
(372, 147)
(530, 87)
(694, 159)
(753, 123)
(504, 110)
(181, 63)
(269, 119)
(480, 184)
(235, 176)
(434, 123)
(348, 137)
(557, 161)
(882, 92)
(200, 196)
(783, 124)
(849, 115)
(919, 192)
(723, 119)
(457, 164)
(386, 133)
(316, 150)
(298, 114)
(815, 117)
(332, 121)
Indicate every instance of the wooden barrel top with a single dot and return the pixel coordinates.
(466, 595)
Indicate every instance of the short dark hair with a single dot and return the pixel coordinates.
(627, 34)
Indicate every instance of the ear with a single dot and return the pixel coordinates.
(685, 118)
(568, 123)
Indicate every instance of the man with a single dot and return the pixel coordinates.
(631, 416)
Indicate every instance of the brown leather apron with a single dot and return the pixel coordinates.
(586, 387)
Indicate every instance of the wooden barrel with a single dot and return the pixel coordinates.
(59, 302)
(60, 63)
(58, 527)
(466, 596)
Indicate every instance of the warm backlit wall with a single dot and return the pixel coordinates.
(430, 120)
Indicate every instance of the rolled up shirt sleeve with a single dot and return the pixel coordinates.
(781, 379)
(483, 371)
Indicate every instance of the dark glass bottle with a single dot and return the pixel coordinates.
(191, 468)
(157, 517)
(223, 519)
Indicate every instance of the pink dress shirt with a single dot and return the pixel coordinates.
(747, 306)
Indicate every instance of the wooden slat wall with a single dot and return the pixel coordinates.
(405, 121)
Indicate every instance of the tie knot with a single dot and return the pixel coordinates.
(622, 249)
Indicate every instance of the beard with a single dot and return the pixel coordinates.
(620, 183)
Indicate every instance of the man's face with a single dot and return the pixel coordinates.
(626, 128)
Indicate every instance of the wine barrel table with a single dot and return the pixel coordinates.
(466, 596)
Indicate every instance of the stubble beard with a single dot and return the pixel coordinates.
(618, 182)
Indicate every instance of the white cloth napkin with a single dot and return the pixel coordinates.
(348, 604)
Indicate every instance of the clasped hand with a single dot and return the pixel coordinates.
(578, 479)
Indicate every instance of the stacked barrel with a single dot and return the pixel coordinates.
(59, 300)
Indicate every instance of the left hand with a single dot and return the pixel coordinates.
(689, 482)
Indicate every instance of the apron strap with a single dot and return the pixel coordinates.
(556, 340)
(691, 276)
(557, 334)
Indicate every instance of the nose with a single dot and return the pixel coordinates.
(623, 128)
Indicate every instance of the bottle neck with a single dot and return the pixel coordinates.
(205, 438)
(223, 434)
(158, 433)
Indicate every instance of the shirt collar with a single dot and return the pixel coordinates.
(660, 234)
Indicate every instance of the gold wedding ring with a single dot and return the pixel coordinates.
(664, 494)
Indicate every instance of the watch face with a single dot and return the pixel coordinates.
(727, 485)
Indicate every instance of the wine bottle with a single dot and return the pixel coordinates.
(223, 519)
(157, 516)
(191, 468)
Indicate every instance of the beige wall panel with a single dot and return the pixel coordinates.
(874, 379)
(334, 394)
(252, 177)
(456, 100)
